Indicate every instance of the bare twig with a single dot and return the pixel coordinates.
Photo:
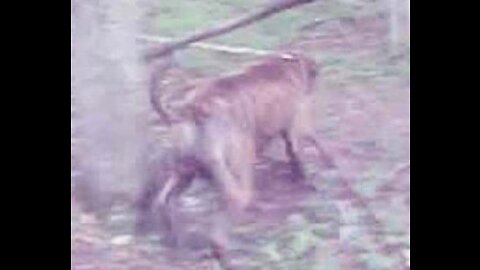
(400, 169)
(269, 10)
(210, 46)
(316, 22)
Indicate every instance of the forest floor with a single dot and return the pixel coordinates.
(359, 218)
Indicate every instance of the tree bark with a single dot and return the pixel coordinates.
(394, 34)
(111, 99)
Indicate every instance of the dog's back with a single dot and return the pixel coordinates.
(263, 98)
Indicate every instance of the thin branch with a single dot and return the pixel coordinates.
(269, 10)
(210, 46)
(316, 22)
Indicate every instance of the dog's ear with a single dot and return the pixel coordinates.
(309, 68)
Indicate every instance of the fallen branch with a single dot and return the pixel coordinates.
(210, 46)
(401, 169)
(269, 10)
(316, 22)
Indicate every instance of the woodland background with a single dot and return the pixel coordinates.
(359, 218)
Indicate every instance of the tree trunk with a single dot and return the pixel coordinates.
(111, 99)
(394, 26)
(399, 24)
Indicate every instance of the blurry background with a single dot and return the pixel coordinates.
(359, 219)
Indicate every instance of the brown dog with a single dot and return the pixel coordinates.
(219, 126)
